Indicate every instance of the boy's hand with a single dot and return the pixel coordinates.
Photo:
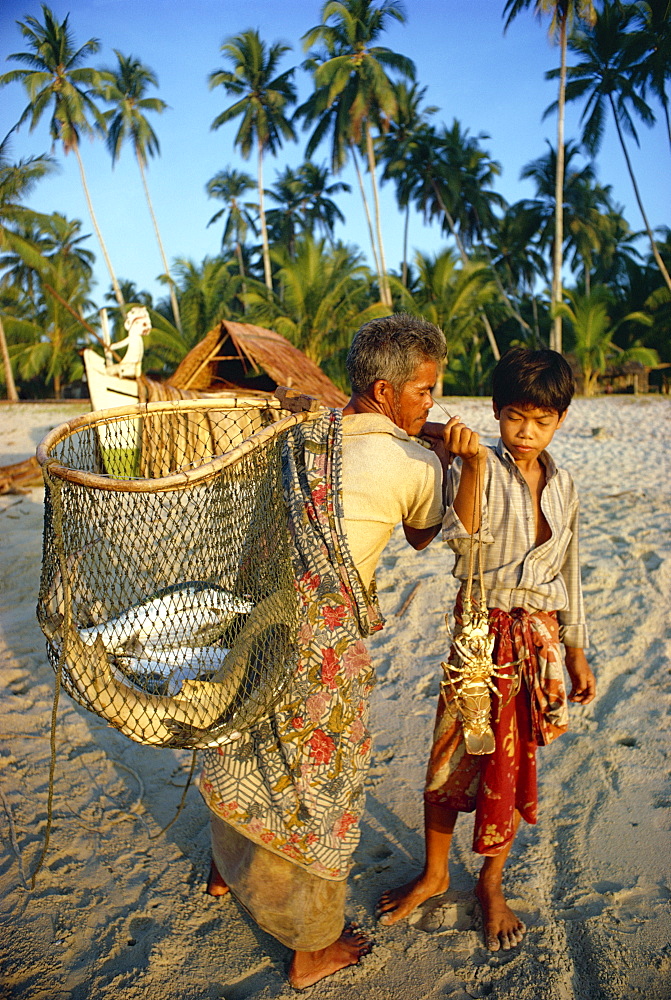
(583, 683)
(462, 441)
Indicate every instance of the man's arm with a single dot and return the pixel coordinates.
(419, 538)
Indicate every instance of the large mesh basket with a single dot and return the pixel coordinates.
(167, 596)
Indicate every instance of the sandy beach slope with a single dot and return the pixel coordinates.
(118, 914)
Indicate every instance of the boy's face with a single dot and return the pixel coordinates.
(527, 430)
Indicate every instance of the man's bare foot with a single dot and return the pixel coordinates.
(395, 904)
(502, 928)
(308, 967)
(215, 883)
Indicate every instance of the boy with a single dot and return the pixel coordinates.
(528, 513)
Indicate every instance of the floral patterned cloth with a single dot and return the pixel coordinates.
(496, 784)
(295, 782)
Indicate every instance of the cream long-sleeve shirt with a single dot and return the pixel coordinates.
(517, 572)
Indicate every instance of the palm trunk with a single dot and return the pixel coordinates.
(501, 288)
(166, 269)
(655, 250)
(665, 104)
(241, 267)
(264, 229)
(366, 209)
(240, 259)
(464, 259)
(557, 254)
(404, 270)
(12, 394)
(537, 329)
(372, 166)
(108, 262)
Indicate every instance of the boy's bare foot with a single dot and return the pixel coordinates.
(502, 928)
(395, 904)
(308, 967)
(215, 883)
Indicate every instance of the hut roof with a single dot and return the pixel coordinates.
(223, 359)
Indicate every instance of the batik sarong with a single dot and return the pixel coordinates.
(495, 785)
(294, 783)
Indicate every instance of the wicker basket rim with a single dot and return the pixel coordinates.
(177, 480)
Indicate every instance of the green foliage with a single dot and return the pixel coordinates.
(593, 332)
(55, 77)
(324, 296)
(263, 97)
(364, 102)
(126, 122)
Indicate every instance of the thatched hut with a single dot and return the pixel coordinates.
(243, 356)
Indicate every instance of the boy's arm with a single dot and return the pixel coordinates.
(461, 441)
(583, 683)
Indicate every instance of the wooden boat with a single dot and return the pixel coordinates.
(106, 390)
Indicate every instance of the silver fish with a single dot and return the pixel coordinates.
(151, 718)
(178, 616)
(168, 668)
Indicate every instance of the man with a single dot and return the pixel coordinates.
(286, 798)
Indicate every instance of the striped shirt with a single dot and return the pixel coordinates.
(517, 572)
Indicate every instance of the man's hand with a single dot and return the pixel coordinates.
(462, 441)
(583, 683)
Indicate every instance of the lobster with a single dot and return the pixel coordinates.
(469, 677)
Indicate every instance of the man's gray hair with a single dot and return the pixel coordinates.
(392, 348)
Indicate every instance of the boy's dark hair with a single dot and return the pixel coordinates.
(392, 348)
(533, 378)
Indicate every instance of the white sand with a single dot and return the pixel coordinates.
(115, 914)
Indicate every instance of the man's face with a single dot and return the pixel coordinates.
(527, 430)
(413, 402)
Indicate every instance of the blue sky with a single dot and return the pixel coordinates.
(491, 82)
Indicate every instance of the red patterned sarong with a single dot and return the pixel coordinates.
(497, 784)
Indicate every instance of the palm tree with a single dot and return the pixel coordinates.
(46, 339)
(453, 295)
(618, 263)
(436, 189)
(581, 201)
(56, 77)
(263, 99)
(324, 297)
(594, 222)
(517, 260)
(285, 220)
(16, 181)
(302, 197)
(353, 94)
(563, 14)
(593, 333)
(603, 78)
(229, 186)
(394, 146)
(207, 292)
(652, 38)
(126, 121)
(319, 209)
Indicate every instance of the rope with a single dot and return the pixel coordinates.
(472, 546)
(182, 801)
(55, 486)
